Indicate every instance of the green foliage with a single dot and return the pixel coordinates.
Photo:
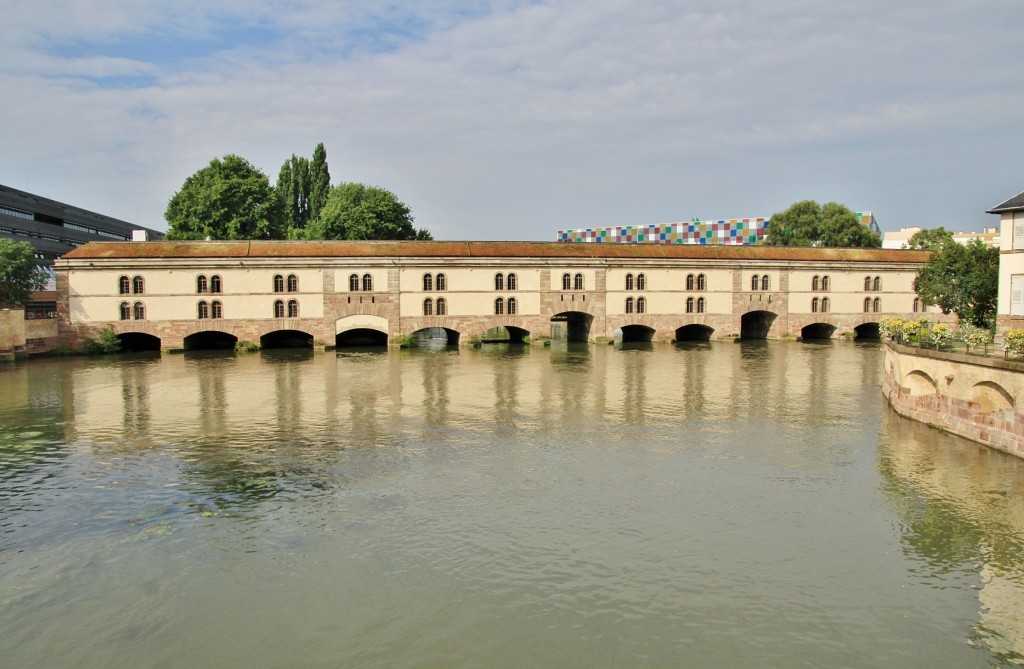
(245, 346)
(405, 341)
(807, 223)
(19, 273)
(1013, 341)
(357, 211)
(962, 278)
(227, 199)
(930, 240)
(108, 343)
(320, 182)
(293, 192)
(974, 336)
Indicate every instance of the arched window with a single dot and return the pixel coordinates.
(641, 305)
(353, 282)
(124, 285)
(629, 305)
(566, 281)
(139, 311)
(293, 283)
(442, 283)
(764, 282)
(428, 307)
(867, 304)
(499, 281)
(278, 309)
(499, 306)
(702, 282)
(293, 308)
(278, 283)
(577, 282)
(814, 304)
(428, 282)
(755, 281)
(689, 305)
(138, 286)
(867, 283)
(689, 282)
(367, 282)
(815, 283)
(917, 304)
(215, 286)
(824, 305)
(877, 305)
(216, 310)
(126, 311)
(641, 282)
(203, 310)
(878, 283)
(826, 284)
(513, 283)
(442, 307)
(512, 306)
(629, 282)
(700, 305)
(201, 286)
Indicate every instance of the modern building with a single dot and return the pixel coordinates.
(899, 240)
(1010, 309)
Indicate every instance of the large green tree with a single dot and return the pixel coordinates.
(357, 211)
(962, 278)
(807, 223)
(293, 193)
(319, 182)
(227, 199)
(930, 240)
(19, 273)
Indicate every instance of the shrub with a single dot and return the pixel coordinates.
(941, 335)
(974, 336)
(245, 346)
(108, 343)
(1013, 341)
(891, 327)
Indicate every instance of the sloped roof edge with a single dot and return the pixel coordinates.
(1015, 203)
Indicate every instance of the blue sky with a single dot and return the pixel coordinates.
(513, 119)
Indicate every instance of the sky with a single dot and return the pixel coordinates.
(513, 119)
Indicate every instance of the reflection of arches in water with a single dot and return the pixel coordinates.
(817, 331)
(286, 339)
(757, 324)
(360, 337)
(435, 338)
(991, 397)
(571, 326)
(634, 333)
(694, 332)
(138, 341)
(868, 331)
(505, 334)
(919, 383)
(210, 340)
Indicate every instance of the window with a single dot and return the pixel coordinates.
(203, 311)
(629, 305)
(641, 305)
(512, 306)
(878, 283)
(278, 309)
(215, 283)
(867, 283)
(138, 286)
(1017, 295)
(689, 305)
(278, 283)
(139, 311)
(815, 283)
(878, 304)
(499, 306)
(641, 282)
(917, 304)
(216, 310)
(353, 282)
(689, 282)
(629, 282)
(126, 311)
(577, 282)
(814, 304)
(428, 282)
(764, 282)
(293, 283)
(867, 304)
(428, 307)
(124, 286)
(293, 308)
(702, 282)
(513, 283)
(442, 307)
(201, 286)
(499, 281)
(1018, 230)
(367, 282)
(566, 281)
(700, 305)
(826, 284)
(755, 281)
(824, 305)
(442, 283)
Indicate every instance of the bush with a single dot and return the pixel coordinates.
(974, 336)
(245, 346)
(891, 327)
(941, 335)
(108, 342)
(1013, 341)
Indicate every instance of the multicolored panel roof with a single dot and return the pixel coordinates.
(737, 231)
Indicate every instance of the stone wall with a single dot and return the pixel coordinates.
(971, 396)
(12, 333)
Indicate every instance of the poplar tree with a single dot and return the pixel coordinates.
(293, 190)
(320, 182)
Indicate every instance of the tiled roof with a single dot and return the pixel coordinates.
(439, 249)
(1015, 203)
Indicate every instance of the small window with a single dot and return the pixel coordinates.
(139, 311)
(513, 283)
(878, 283)
(689, 305)
(278, 283)
(293, 308)
(877, 304)
(215, 284)
(577, 282)
(138, 285)
(442, 307)
(765, 284)
(629, 282)
(824, 305)
(428, 307)
(215, 309)
(203, 311)
(512, 306)
(293, 283)
(700, 305)
(867, 284)
(499, 281)
(917, 304)
(126, 311)
(201, 286)
(867, 304)
(629, 305)
(702, 282)
(353, 282)
(566, 282)
(442, 282)
(641, 305)
(826, 284)
(278, 309)
(755, 281)
(689, 282)
(367, 282)
(428, 282)
(814, 302)
(641, 282)
(499, 306)
(816, 283)
(124, 285)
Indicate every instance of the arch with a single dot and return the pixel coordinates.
(826, 284)
(637, 333)
(757, 324)
(138, 285)
(139, 311)
(702, 282)
(571, 326)
(577, 281)
(360, 338)
(216, 309)
(513, 281)
(824, 305)
(367, 282)
(286, 339)
(817, 331)
(293, 308)
(125, 311)
(689, 282)
(202, 310)
(877, 305)
(694, 332)
(919, 383)
(215, 284)
(765, 282)
(134, 342)
(436, 338)
(201, 284)
(503, 334)
(629, 282)
(210, 340)
(566, 281)
(701, 305)
(428, 282)
(868, 331)
(689, 305)
(124, 285)
(991, 397)
(499, 281)
(499, 306)
(361, 322)
(278, 308)
(814, 304)
(441, 307)
(513, 306)
(641, 305)
(641, 282)
(278, 283)
(441, 281)
(878, 284)
(353, 282)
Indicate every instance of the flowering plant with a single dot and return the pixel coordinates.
(974, 336)
(1013, 341)
(941, 335)
(890, 327)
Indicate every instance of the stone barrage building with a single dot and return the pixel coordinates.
(175, 295)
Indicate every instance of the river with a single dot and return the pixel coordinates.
(713, 505)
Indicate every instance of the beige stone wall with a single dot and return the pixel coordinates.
(12, 331)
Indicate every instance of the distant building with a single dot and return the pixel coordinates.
(1010, 309)
(899, 240)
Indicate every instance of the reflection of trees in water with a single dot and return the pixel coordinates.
(434, 366)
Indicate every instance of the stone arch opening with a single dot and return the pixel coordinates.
(210, 340)
(361, 338)
(694, 332)
(286, 339)
(817, 331)
(919, 383)
(991, 397)
(868, 331)
(505, 334)
(137, 342)
(571, 326)
(634, 333)
(757, 324)
(435, 338)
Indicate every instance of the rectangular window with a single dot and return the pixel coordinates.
(1017, 295)
(1018, 230)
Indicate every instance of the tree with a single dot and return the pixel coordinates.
(962, 278)
(19, 273)
(930, 240)
(806, 223)
(227, 199)
(357, 211)
(293, 193)
(320, 182)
